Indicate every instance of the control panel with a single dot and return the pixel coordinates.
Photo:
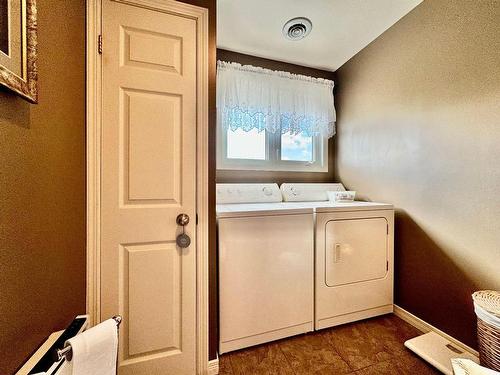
(247, 193)
(308, 192)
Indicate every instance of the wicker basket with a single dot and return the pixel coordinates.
(487, 308)
(489, 300)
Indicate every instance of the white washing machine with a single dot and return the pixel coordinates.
(354, 255)
(266, 264)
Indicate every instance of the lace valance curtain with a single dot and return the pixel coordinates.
(249, 98)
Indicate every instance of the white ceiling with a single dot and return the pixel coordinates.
(341, 28)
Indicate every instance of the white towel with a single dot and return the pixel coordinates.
(467, 367)
(95, 350)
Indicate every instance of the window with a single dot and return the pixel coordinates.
(254, 150)
(276, 121)
(244, 145)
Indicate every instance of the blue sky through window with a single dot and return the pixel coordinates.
(296, 147)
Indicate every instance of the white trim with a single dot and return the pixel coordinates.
(93, 111)
(93, 132)
(202, 190)
(213, 367)
(427, 327)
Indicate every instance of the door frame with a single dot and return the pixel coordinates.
(93, 153)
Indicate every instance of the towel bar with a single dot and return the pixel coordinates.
(67, 353)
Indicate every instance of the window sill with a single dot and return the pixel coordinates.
(296, 168)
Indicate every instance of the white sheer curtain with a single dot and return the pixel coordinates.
(249, 98)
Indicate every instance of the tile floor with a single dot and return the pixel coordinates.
(369, 347)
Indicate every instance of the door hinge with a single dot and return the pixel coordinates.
(387, 228)
(99, 44)
(196, 219)
(387, 265)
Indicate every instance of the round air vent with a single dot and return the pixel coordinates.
(297, 28)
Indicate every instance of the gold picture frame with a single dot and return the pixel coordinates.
(18, 47)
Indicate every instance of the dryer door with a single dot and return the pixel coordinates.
(356, 250)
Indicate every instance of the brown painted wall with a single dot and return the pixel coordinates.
(419, 126)
(272, 176)
(42, 190)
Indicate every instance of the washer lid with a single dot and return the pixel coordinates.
(261, 209)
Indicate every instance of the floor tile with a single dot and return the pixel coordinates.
(225, 367)
(357, 347)
(390, 330)
(371, 347)
(313, 354)
(408, 363)
(381, 368)
(264, 359)
(399, 366)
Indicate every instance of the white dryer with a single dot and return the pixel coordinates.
(266, 263)
(354, 255)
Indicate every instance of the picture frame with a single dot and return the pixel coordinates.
(18, 47)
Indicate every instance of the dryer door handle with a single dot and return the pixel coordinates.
(336, 252)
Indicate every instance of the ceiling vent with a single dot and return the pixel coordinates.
(297, 28)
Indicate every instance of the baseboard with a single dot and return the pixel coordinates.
(426, 327)
(213, 366)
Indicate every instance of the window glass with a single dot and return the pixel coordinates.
(297, 147)
(246, 145)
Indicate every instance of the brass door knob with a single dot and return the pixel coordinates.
(182, 220)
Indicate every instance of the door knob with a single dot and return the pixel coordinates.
(182, 220)
(183, 240)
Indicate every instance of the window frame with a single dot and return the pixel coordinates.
(273, 160)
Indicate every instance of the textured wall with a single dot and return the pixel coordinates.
(419, 126)
(42, 190)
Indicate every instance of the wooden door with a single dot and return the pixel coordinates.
(148, 177)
